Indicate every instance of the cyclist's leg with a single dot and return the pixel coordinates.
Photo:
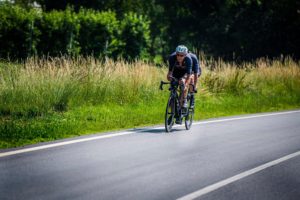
(192, 82)
(191, 89)
(188, 80)
(182, 89)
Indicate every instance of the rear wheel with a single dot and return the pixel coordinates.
(189, 116)
(170, 113)
(189, 119)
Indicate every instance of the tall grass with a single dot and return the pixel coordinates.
(45, 99)
(44, 86)
(264, 85)
(263, 76)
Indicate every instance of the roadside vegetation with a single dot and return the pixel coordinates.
(48, 99)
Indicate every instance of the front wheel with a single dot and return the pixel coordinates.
(170, 113)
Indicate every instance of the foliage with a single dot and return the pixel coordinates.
(18, 32)
(25, 33)
(135, 36)
(59, 32)
(232, 29)
(99, 33)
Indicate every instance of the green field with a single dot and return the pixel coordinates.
(48, 99)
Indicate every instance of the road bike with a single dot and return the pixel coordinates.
(174, 109)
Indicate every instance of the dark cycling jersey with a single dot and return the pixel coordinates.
(196, 65)
(177, 70)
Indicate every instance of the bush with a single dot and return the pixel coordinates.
(18, 32)
(24, 33)
(98, 33)
(135, 35)
(59, 33)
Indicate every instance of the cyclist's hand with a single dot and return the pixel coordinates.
(195, 89)
(169, 77)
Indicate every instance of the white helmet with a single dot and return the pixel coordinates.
(181, 49)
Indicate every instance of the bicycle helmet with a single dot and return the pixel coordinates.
(181, 49)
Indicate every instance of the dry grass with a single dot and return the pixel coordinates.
(42, 86)
(255, 77)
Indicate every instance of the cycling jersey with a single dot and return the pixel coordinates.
(177, 70)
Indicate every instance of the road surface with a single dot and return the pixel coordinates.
(211, 161)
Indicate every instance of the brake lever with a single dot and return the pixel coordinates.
(161, 85)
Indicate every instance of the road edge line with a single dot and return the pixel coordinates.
(247, 117)
(47, 146)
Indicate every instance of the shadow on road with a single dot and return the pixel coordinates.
(158, 130)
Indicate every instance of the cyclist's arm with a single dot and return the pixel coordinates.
(169, 76)
(172, 60)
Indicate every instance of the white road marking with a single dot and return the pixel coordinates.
(62, 144)
(232, 179)
(246, 117)
(9, 153)
(233, 119)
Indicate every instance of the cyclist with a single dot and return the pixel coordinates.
(180, 67)
(197, 73)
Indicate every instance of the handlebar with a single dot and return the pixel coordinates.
(165, 83)
(176, 80)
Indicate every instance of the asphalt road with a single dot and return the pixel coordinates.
(150, 164)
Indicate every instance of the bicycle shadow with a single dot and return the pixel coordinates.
(159, 130)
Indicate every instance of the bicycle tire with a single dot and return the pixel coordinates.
(169, 115)
(189, 116)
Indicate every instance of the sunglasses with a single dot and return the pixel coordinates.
(180, 55)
